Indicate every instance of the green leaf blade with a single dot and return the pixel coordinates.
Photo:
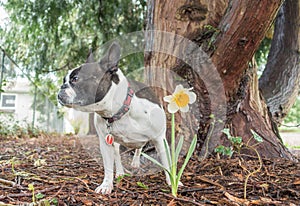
(256, 136)
(188, 156)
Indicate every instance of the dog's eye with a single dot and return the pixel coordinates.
(74, 79)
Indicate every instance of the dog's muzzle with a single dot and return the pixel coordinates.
(61, 98)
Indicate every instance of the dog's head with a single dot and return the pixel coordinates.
(90, 82)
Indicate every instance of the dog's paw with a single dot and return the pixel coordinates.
(104, 188)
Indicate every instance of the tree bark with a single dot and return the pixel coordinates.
(186, 19)
(230, 32)
(280, 81)
(92, 129)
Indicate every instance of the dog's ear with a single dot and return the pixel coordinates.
(112, 56)
(90, 57)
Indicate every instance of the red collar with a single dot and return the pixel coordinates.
(124, 109)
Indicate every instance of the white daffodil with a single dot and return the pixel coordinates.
(180, 99)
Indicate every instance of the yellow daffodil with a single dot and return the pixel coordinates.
(180, 99)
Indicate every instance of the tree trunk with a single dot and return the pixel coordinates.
(186, 20)
(280, 80)
(230, 34)
(92, 129)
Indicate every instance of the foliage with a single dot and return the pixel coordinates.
(261, 55)
(142, 185)
(173, 158)
(294, 114)
(9, 127)
(121, 177)
(3, 84)
(39, 196)
(47, 38)
(31, 188)
(225, 151)
(236, 145)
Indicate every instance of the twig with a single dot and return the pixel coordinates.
(88, 188)
(11, 183)
(182, 199)
(59, 190)
(195, 189)
(208, 139)
(30, 194)
(5, 204)
(124, 189)
(204, 179)
(219, 167)
(252, 173)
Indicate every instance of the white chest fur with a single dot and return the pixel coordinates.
(145, 121)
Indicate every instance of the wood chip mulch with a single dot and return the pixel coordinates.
(63, 172)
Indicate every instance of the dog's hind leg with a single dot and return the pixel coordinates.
(118, 161)
(159, 146)
(136, 158)
(107, 152)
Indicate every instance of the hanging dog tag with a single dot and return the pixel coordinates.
(109, 139)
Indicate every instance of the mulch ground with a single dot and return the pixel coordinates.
(64, 171)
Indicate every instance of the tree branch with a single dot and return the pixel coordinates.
(58, 69)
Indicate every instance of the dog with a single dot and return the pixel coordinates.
(127, 112)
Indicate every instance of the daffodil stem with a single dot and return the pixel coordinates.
(174, 163)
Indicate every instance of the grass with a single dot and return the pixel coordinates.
(292, 146)
(289, 130)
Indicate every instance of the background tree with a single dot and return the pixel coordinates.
(280, 81)
(230, 32)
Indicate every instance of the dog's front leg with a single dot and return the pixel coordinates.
(107, 152)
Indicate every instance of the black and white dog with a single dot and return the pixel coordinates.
(127, 112)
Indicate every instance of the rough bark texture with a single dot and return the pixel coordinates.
(242, 29)
(280, 80)
(187, 19)
(239, 26)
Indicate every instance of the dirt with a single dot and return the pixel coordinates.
(64, 172)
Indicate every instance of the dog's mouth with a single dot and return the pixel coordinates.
(68, 104)
(64, 103)
(64, 100)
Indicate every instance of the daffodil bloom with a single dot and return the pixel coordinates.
(180, 99)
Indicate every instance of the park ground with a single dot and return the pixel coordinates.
(63, 171)
(292, 141)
